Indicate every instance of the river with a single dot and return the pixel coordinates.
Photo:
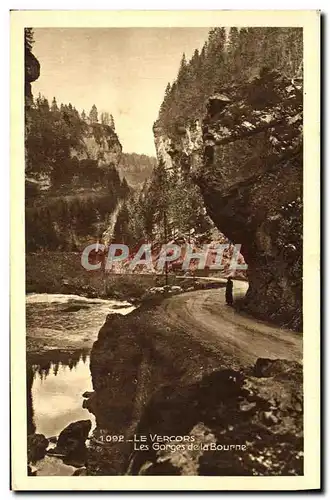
(61, 330)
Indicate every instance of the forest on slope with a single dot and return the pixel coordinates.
(167, 207)
(75, 171)
(232, 122)
(56, 145)
(72, 182)
(226, 59)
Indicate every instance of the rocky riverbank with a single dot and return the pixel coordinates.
(61, 330)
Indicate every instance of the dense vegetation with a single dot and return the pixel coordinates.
(68, 200)
(70, 194)
(171, 202)
(54, 134)
(230, 57)
(167, 207)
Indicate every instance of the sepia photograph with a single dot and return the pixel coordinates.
(163, 263)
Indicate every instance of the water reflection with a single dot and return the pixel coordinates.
(61, 330)
(49, 361)
(55, 397)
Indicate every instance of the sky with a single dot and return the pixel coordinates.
(121, 70)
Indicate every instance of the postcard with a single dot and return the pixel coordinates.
(165, 190)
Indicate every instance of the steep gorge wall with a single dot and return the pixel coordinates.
(247, 158)
(99, 143)
(73, 187)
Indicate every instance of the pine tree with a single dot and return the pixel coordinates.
(124, 186)
(54, 107)
(167, 90)
(121, 231)
(38, 101)
(167, 97)
(111, 122)
(103, 119)
(220, 70)
(43, 104)
(182, 68)
(233, 53)
(93, 115)
(83, 115)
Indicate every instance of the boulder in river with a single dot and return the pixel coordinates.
(71, 442)
(36, 447)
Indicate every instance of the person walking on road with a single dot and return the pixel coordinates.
(229, 292)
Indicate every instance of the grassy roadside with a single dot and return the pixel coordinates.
(62, 272)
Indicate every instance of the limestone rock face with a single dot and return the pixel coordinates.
(101, 144)
(247, 158)
(32, 73)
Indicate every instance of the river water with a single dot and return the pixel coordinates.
(61, 330)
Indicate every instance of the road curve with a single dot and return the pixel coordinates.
(205, 316)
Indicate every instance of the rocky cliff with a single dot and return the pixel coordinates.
(73, 187)
(32, 72)
(72, 204)
(99, 143)
(247, 158)
(91, 151)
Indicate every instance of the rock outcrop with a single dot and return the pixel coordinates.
(75, 211)
(32, 73)
(98, 151)
(246, 157)
(227, 424)
(152, 377)
(71, 443)
(100, 144)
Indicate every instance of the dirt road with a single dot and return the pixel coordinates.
(205, 316)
